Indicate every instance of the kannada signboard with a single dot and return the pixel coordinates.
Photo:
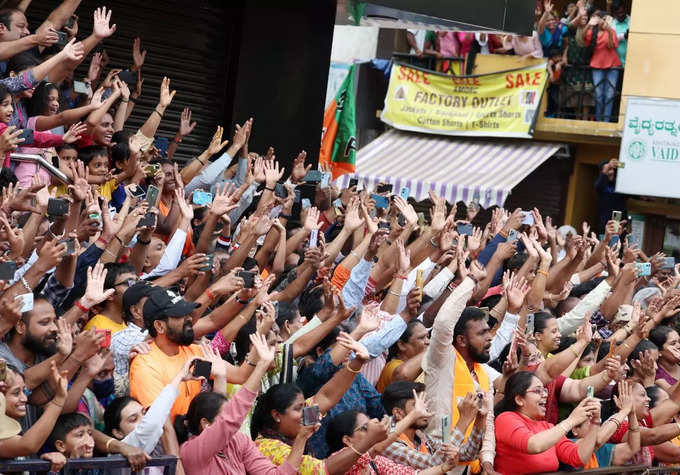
(502, 104)
(650, 148)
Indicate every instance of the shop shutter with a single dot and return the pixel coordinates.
(187, 41)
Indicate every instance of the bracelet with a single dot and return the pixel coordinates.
(120, 240)
(177, 140)
(542, 272)
(210, 295)
(356, 255)
(108, 442)
(110, 253)
(634, 429)
(615, 421)
(401, 276)
(125, 101)
(433, 244)
(242, 302)
(58, 405)
(242, 317)
(25, 284)
(82, 307)
(392, 292)
(503, 233)
(576, 354)
(133, 100)
(250, 363)
(351, 370)
(159, 114)
(200, 161)
(268, 189)
(143, 243)
(104, 241)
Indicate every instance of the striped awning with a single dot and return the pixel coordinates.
(458, 169)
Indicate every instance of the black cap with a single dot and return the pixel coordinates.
(135, 293)
(163, 303)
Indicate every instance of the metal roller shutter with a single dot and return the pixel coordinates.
(188, 42)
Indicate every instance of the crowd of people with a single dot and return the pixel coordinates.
(585, 49)
(247, 319)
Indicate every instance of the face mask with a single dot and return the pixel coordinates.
(103, 389)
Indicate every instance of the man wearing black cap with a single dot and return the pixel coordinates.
(167, 317)
(123, 341)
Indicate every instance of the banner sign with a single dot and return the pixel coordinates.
(650, 148)
(502, 104)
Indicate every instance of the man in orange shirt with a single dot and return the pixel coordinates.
(167, 316)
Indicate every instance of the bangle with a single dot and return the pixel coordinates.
(108, 442)
(637, 429)
(210, 295)
(576, 353)
(25, 284)
(58, 405)
(250, 363)
(125, 100)
(351, 370)
(503, 233)
(200, 161)
(133, 100)
(401, 276)
(120, 240)
(176, 139)
(542, 272)
(143, 243)
(82, 307)
(104, 241)
(268, 189)
(159, 114)
(242, 302)
(433, 244)
(392, 292)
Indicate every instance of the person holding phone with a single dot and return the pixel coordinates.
(604, 62)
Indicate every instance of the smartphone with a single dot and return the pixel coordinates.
(380, 201)
(129, 77)
(404, 193)
(446, 429)
(150, 170)
(421, 219)
(384, 188)
(275, 212)
(306, 203)
(616, 216)
(512, 236)
(202, 198)
(353, 182)
(80, 87)
(152, 195)
(383, 225)
(668, 262)
(590, 391)
(27, 135)
(248, 278)
(464, 229)
(528, 218)
(530, 324)
(62, 38)
(70, 246)
(147, 221)
(313, 176)
(325, 180)
(420, 281)
(401, 220)
(137, 192)
(7, 270)
(280, 191)
(313, 237)
(643, 269)
(480, 400)
(106, 341)
(202, 368)
(57, 207)
(26, 301)
(209, 263)
(310, 415)
(3, 370)
(337, 203)
(162, 144)
(614, 240)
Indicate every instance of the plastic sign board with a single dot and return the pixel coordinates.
(650, 148)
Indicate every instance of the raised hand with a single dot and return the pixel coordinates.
(185, 208)
(515, 289)
(10, 140)
(272, 173)
(625, 399)
(165, 94)
(138, 55)
(94, 292)
(264, 352)
(64, 338)
(74, 132)
(185, 124)
(403, 258)
(350, 344)
(73, 51)
(101, 27)
(223, 202)
(216, 143)
(95, 67)
(477, 270)
(299, 170)
(420, 406)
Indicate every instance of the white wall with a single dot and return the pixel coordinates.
(354, 42)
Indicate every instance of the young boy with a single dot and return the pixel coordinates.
(96, 159)
(72, 436)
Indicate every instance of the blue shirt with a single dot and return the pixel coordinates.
(553, 39)
(361, 396)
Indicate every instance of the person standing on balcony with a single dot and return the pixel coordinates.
(550, 30)
(609, 199)
(604, 62)
(621, 25)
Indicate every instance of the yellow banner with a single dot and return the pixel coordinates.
(502, 104)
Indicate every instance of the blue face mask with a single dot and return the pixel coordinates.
(103, 390)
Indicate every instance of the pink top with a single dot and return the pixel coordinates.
(465, 40)
(524, 46)
(604, 57)
(513, 431)
(25, 171)
(448, 44)
(222, 449)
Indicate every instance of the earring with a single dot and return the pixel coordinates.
(277, 420)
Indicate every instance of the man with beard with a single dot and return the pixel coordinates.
(459, 345)
(167, 317)
(416, 448)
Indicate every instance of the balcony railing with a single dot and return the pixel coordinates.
(168, 462)
(454, 65)
(586, 94)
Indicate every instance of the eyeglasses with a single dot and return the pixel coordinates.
(128, 282)
(363, 428)
(540, 391)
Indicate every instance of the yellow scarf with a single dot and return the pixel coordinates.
(463, 384)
